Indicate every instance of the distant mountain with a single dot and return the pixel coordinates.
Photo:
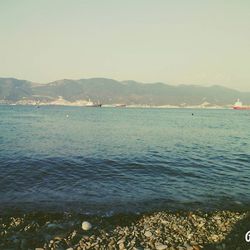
(108, 91)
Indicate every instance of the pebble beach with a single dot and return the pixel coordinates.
(160, 230)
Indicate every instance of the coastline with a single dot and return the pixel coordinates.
(181, 230)
(229, 107)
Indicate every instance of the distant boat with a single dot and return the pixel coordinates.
(239, 106)
(38, 105)
(120, 105)
(92, 104)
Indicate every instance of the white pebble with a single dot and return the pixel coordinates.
(86, 226)
(148, 234)
(161, 247)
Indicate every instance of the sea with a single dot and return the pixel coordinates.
(123, 160)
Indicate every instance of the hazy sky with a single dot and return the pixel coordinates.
(178, 42)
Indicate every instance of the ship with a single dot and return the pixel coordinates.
(239, 106)
(92, 104)
(120, 105)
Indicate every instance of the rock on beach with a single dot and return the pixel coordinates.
(86, 226)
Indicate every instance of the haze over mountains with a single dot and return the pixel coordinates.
(108, 91)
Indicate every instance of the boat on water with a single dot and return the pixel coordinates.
(120, 105)
(239, 106)
(92, 104)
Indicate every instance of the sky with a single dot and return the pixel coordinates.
(203, 42)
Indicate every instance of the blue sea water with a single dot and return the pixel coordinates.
(104, 160)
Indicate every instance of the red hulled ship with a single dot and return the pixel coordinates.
(239, 106)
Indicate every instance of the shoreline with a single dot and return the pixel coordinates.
(183, 230)
(126, 107)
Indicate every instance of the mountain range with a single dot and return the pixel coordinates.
(108, 91)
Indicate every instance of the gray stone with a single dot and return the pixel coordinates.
(188, 247)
